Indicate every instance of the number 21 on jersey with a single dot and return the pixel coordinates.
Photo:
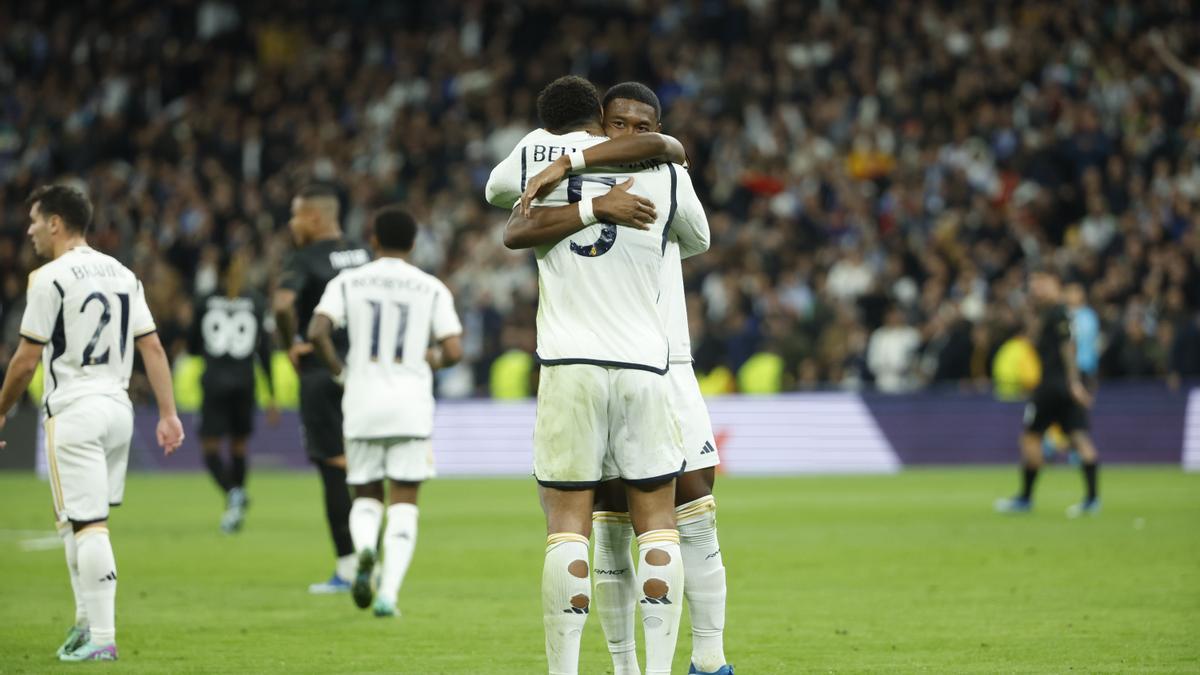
(90, 358)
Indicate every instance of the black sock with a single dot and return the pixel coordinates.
(337, 507)
(237, 473)
(1028, 476)
(216, 468)
(1089, 478)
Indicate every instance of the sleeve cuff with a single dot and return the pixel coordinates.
(145, 331)
(36, 339)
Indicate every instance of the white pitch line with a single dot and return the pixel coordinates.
(41, 544)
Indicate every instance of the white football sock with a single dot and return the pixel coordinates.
(98, 581)
(616, 589)
(346, 567)
(68, 536)
(660, 580)
(399, 540)
(366, 515)
(566, 596)
(705, 587)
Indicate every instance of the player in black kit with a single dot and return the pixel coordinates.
(1060, 398)
(229, 330)
(320, 254)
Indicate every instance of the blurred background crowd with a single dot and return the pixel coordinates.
(879, 175)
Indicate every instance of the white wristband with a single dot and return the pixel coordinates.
(577, 161)
(586, 214)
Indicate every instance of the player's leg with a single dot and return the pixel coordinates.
(321, 412)
(696, 519)
(1076, 425)
(241, 425)
(364, 474)
(409, 463)
(660, 571)
(214, 426)
(570, 439)
(78, 633)
(1039, 415)
(647, 444)
(566, 584)
(704, 568)
(613, 567)
(89, 444)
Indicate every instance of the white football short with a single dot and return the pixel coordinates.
(592, 417)
(699, 445)
(408, 460)
(87, 451)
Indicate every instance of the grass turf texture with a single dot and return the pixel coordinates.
(904, 573)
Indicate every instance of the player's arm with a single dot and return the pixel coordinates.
(283, 305)
(320, 334)
(504, 184)
(1067, 350)
(446, 331)
(18, 376)
(330, 313)
(158, 371)
(632, 148)
(548, 225)
(1159, 43)
(690, 226)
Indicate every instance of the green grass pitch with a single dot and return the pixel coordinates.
(903, 573)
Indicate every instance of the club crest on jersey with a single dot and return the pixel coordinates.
(608, 236)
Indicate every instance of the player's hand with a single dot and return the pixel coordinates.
(621, 208)
(3, 421)
(541, 184)
(1081, 394)
(297, 351)
(170, 434)
(273, 415)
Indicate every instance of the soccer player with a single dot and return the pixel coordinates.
(229, 331)
(604, 408)
(401, 325)
(631, 114)
(321, 253)
(1060, 398)
(90, 310)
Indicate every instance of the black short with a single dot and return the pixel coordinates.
(321, 415)
(1050, 407)
(227, 412)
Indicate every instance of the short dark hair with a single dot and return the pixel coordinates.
(395, 228)
(318, 191)
(635, 91)
(65, 202)
(568, 103)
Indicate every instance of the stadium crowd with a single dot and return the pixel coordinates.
(874, 201)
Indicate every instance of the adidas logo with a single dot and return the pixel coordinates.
(575, 610)
(612, 573)
(655, 601)
(111, 576)
(708, 447)
(402, 535)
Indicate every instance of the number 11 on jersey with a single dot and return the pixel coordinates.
(376, 326)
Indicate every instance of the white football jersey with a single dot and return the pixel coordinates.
(601, 287)
(87, 309)
(392, 313)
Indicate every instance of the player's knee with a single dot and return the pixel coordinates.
(578, 569)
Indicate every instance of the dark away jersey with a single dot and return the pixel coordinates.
(1054, 335)
(307, 271)
(229, 333)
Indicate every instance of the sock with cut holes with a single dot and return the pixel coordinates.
(566, 597)
(616, 589)
(660, 581)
